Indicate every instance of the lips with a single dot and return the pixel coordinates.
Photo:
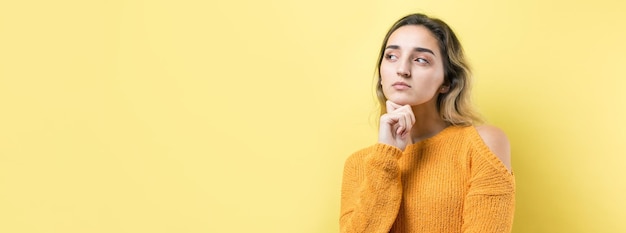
(401, 85)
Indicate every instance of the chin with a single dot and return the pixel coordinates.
(404, 101)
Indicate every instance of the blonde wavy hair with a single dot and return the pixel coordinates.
(454, 106)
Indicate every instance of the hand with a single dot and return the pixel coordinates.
(395, 125)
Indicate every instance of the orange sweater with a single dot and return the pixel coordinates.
(450, 182)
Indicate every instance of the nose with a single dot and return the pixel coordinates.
(403, 69)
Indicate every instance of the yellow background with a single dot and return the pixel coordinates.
(237, 116)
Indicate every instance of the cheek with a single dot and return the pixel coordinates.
(386, 72)
(435, 77)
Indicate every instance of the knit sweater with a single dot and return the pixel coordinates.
(451, 182)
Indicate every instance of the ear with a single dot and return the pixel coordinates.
(444, 88)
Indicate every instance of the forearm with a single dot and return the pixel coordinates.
(372, 193)
(489, 213)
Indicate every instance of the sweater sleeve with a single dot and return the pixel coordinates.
(371, 191)
(490, 202)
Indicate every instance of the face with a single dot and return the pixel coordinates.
(412, 68)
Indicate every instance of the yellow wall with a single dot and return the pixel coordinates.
(236, 116)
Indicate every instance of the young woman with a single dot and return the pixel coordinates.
(433, 169)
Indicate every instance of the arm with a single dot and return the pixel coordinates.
(371, 192)
(490, 203)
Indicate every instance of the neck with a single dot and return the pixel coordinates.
(427, 122)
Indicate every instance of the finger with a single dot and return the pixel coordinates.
(407, 108)
(403, 123)
(391, 106)
(403, 133)
(412, 117)
(408, 114)
(409, 121)
(395, 126)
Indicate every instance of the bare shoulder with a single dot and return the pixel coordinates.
(497, 142)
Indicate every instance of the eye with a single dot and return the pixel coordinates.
(422, 60)
(391, 57)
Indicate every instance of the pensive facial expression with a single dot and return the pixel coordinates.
(412, 69)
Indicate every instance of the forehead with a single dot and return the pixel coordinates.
(413, 36)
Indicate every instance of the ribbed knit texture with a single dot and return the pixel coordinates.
(450, 182)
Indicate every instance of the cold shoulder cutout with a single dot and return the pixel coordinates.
(497, 142)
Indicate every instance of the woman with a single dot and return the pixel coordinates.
(433, 169)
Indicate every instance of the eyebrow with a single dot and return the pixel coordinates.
(416, 49)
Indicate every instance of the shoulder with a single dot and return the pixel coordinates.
(497, 142)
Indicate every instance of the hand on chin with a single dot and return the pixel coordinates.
(402, 100)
